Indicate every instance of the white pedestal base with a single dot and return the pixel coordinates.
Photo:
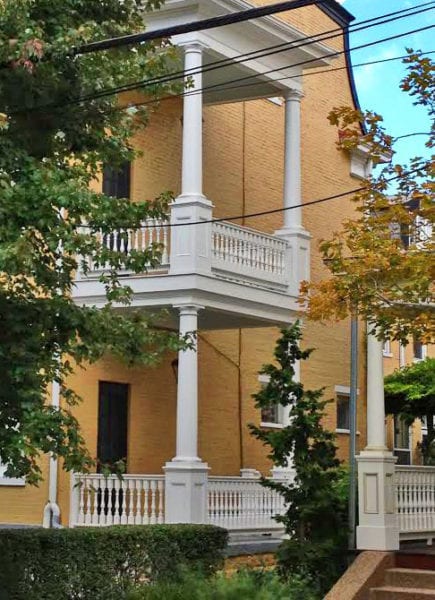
(378, 522)
(298, 240)
(186, 492)
(283, 474)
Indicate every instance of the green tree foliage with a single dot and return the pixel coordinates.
(410, 393)
(52, 147)
(315, 519)
(382, 262)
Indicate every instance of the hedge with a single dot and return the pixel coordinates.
(102, 563)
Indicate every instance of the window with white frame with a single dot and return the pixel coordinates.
(419, 349)
(9, 480)
(342, 402)
(271, 416)
(402, 441)
(386, 348)
(343, 412)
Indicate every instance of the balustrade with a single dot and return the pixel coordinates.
(132, 500)
(239, 503)
(248, 252)
(415, 501)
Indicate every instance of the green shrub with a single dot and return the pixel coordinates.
(102, 563)
(245, 585)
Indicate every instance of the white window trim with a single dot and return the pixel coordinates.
(10, 481)
(345, 431)
(264, 379)
(344, 389)
(386, 349)
(423, 354)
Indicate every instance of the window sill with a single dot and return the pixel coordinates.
(272, 425)
(387, 354)
(12, 481)
(345, 431)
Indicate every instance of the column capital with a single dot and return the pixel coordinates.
(188, 309)
(293, 95)
(191, 46)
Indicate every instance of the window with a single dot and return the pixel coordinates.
(271, 416)
(402, 441)
(9, 480)
(386, 349)
(343, 413)
(419, 350)
(116, 182)
(112, 422)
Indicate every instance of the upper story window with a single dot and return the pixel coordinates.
(116, 181)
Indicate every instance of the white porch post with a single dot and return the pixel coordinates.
(378, 524)
(186, 475)
(191, 245)
(293, 232)
(287, 473)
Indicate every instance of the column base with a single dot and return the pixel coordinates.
(383, 538)
(186, 499)
(298, 240)
(283, 474)
(378, 521)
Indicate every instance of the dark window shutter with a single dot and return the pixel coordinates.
(112, 422)
(116, 182)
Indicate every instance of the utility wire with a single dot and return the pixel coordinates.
(270, 211)
(267, 51)
(204, 24)
(242, 58)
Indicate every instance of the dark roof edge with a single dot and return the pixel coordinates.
(334, 10)
(343, 17)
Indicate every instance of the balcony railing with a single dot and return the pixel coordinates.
(245, 252)
(237, 253)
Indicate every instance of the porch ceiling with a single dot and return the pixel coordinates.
(230, 83)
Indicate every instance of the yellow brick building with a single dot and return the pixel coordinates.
(246, 160)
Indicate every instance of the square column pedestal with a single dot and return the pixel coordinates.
(378, 524)
(186, 492)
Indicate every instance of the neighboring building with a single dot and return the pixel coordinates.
(236, 149)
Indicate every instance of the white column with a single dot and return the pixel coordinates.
(378, 527)
(375, 395)
(298, 239)
(287, 473)
(292, 159)
(186, 475)
(187, 390)
(51, 514)
(191, 244)
(191, 172)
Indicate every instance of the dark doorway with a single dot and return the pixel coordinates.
(112, 422)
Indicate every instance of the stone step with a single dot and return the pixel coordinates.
(399, 593)
(410, 578)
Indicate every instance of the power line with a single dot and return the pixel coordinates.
(274, 210)
(242, 58)
(267, 51)
(225, 85)
(204, 24)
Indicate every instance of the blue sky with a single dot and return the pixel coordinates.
(378, 85)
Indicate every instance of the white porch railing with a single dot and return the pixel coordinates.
(249, 253)
(132, 500)
(415, 501)
(241, 503)
(152, 231)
